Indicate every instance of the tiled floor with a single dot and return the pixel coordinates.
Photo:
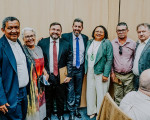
(81, 110)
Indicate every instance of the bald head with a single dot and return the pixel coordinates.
(145, 81)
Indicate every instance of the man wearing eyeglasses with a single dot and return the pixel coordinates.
(123, 51)
(142, 56)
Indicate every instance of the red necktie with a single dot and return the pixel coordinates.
(55, 58)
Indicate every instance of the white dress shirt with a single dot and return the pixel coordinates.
(81, 49)
(51, 53)
(138, 53)
(23, 77)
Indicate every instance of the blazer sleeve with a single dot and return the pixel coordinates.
(39, 43)
(109, 59)
(3, 99)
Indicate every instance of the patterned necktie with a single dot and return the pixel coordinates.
(55, 59)
(77, 53)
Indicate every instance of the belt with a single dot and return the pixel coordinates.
(124, 73)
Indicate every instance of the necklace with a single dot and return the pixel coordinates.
(92, 57)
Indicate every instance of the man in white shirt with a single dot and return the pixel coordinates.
(136, 104)
(142, 56)
(13, 72)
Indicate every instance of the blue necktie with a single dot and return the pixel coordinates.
(77, 53)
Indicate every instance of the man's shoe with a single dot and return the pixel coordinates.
(77, 114)
(61, 118)
(71, 117)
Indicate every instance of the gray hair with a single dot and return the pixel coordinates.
(143, 24)
(10, 18)
(78, 20)
(27, 29)
(144, 82)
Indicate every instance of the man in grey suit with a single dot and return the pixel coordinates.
(142, 56)
(77, 42)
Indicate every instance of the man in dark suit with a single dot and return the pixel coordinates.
(78, 45)
(57, 55)
(142, 56)
(13, 72)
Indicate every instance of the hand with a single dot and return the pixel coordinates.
(113, 76)
(46, 74)
(3, 108)
(104, 79)
(115, 79)
(47, 77)
(67, 79)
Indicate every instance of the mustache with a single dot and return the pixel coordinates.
(54, 34)
(13, 33)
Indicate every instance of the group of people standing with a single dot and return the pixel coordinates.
(25, 69)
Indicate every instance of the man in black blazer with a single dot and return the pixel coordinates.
(57, 55)
(78, 45)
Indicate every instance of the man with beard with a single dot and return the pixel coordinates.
(142, 56)
(14, 75)
(57, 54)
(123, 52)
(78, 45)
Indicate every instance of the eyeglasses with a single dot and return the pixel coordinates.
(28, 37)
(120, 50)
(101, 32)
(123, 30)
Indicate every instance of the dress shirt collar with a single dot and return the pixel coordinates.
(51, 40)
(74, 37)
(11, 42)
(127, 41)
(145, 42)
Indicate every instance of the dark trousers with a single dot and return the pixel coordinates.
(75, 89)
(57, 92)
(20, 111)
(136, 82)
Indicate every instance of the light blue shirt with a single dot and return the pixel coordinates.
(81, 49)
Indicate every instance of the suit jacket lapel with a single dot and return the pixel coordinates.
(71, 40)
(88, 45)
(84, 40)
(99, 52)
(61, 46)
(145, 48)
(47, 50)
(10, 54)
(137, 44)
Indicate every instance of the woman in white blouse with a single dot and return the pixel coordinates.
(98, 61)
